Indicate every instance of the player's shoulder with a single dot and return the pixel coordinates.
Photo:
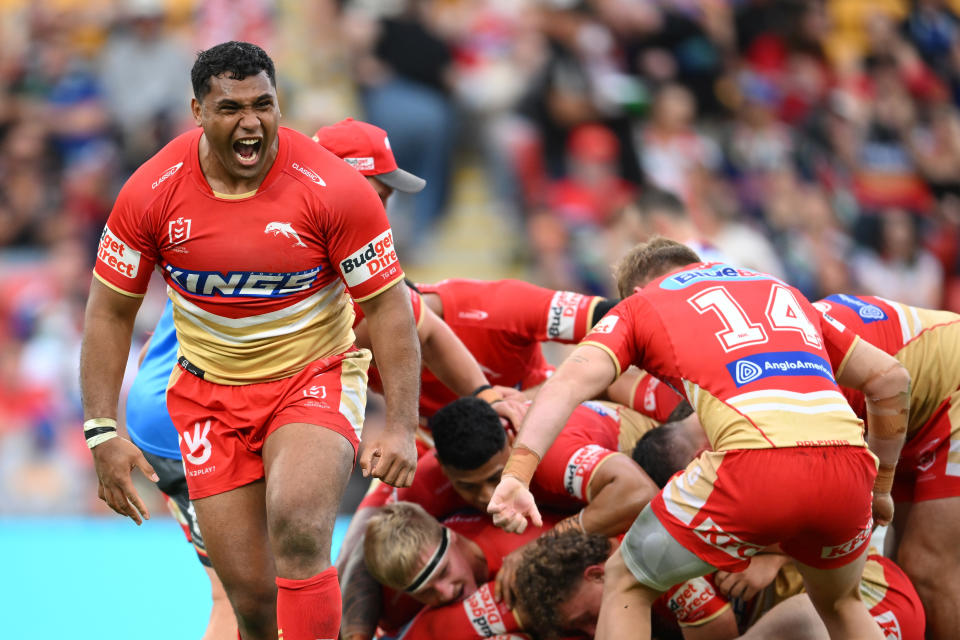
(165, 168)
(311, 164)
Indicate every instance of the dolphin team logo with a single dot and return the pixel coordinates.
(284, 229)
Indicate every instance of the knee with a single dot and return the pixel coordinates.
(300, 540)
(256, 610)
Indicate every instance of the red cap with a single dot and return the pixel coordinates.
(367, 149)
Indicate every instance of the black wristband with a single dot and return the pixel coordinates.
(481, 389)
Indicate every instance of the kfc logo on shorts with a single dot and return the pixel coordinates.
(606, 324)
(198, 444)
(166, 174)
(483, 613)
(580, 467)
(117, 255)
(889, 625)
(848, 547)
(562, 317)
(711, 533)
(378, 258)
(179, 230)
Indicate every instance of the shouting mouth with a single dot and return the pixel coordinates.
(247, 150)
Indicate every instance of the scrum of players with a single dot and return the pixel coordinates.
(709, 462)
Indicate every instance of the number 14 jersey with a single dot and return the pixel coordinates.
(747, 350)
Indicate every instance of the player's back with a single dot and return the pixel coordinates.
(747, 350)
(925, 341)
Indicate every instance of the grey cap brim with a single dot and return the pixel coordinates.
(401, 180)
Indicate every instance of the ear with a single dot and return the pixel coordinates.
(637, 288)
(197, 109)
(593, 573)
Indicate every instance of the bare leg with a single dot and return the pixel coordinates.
(835, 594)
(625, 608)
(930, 556)
(793, 619)
(235, 534)
(223, 624)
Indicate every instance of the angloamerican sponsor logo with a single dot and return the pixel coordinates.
(117, 255)
(579, 467)
(378, 258)
(241, 284)
(785, 363)
(310, 173)
(867, 312)
(848, 547)
(562, 317)
(484, 614)
(713, 273)
(166, 174)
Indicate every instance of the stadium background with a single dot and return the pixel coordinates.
(819, 141)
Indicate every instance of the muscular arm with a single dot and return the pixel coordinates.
(393, 337)
(362, 601)
(618, 491)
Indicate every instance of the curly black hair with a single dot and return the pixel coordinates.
(467, 433)
(550, 570)
(239, 59)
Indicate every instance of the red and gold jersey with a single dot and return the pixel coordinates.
(479, 616)
(925, 341)
(502, 323)
(416, 304)
(562, 480)
(259, 282)
(748, 352)
(653, 398)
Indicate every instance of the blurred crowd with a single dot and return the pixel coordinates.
(816, 140)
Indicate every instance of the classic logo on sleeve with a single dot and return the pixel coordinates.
(377, 259)
(117, 255)
(785, 363)
(166, 174)
(606, 324)
(484, 614)
(562, 318)
(580, 467)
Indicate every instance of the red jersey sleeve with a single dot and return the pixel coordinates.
(616, 333)
(696, 602)
(361, 241)
(568, 468)
(125, 254)
(837, 339)
(653, 398)
(569, 317)
(479, 616)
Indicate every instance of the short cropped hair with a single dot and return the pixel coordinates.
(650, 260)
(467, 433)
(655, 453)
(397, 537)
(550, 570)
(239, 59)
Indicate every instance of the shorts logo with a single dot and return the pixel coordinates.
(889, 625)
(166, 174)
(786, 363)
(711, 533)
(928, 456)
(284, 229)
(361, 164)
(484, 614)
(179, 230)
(378, 258)
(867, 312)
(198, 441)
(117, 255)
(310, 173)
(580, 467)
(606, 324)
(562, 317)
(316, 391)
(848, 547)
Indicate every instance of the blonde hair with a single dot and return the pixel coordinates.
(650, 260)
(396, 540)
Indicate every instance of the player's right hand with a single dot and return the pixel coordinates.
(882, 509)
(114, 460)
(503, 583)
(390, 454)
(511, 505)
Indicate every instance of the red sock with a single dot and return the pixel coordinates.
(309, 609)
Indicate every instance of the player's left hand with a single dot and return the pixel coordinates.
(513, 411)
(746, 584)
(389, 454)
(511, 505)
(882, 509)
(503, 584)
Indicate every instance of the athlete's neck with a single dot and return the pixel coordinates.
(478, 561)
(222, 181)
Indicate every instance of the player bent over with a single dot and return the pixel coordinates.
(788, 463)
(260, 234)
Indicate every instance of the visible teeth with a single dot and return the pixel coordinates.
(247, 141)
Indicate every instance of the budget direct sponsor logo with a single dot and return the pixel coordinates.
(483, 613)
(378, 258)
(688, 600)
(714, 273)
(361, 164)
(241, 284)
(606, 324)
(785, 363)
(117, 255)
(848, 547)
(580, 465)
(166, 174)
(310, 173)
(867, 312)
(562, 316)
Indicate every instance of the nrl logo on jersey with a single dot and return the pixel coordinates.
(179, 230)
(166, 174)
(284, 229)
